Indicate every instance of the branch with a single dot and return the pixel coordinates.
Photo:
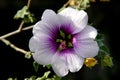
(8, 43)
(67, 3)
(22, 22)
(21, 25)
(15, 32)
(28, 3)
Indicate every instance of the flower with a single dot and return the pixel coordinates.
(63, 40)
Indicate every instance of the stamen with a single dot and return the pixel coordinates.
(59, 40)
(70, 45)
(69, 36)
(64, 41)
(62, 34)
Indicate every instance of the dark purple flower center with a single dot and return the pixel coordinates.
(64, 40)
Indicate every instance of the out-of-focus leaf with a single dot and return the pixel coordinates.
(12, 78)
(104, 53)
(28, 55)
(48, 66)
(21, 13)
(31, 78)
(36, 66)
(25, 14)
(29, 18)
(107, 61)
(44, 77)
(85, 4)
(103, 48)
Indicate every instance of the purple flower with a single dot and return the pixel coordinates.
(63, 40)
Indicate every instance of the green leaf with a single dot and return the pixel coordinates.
(25, 14)
(104, 52)
(21, 13)
(44, 77)
(103, 48)
(46, 74)
(28, 55)
(82, 4)
(29, 18)
(32, 78)
(48, 66)
(107, 61)
(12, 79)
(56, 77)
(35, 65)
(85, 3)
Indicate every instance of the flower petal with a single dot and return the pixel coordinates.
(74, 62)
(79, 18)
(33, 45)
(86, 48)
(59, 65)
(50, 17)
(43, 50)
(42, 57)
(42, 28)
(67, 24)
(88, 32)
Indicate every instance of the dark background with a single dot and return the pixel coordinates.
(104, 16)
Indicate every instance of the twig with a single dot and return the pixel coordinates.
(80, 2)
(8, 43)
(22, 22)
(21, 25)
(28, 3)
(27, 28)
(15, 32)
(67, 3)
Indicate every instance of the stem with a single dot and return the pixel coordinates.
(28, 3)
(8, 43)
(80, 2)
(15, 32)
(65, 5)
(22, 22)
(21, 25)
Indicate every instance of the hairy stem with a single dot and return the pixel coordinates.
(28, 3)
(15, 32)
(8, 43)
(21, 26)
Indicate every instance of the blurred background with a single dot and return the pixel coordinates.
(104, 16)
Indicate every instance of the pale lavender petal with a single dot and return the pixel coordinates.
(42, 28)
(86, 48)
(43, 50)
(40, 43)
(43, 57)
(74, 62)
(34, 44)
(88, 32)
(59, 65)
(67, 24)
(79, 18)
(50, 17)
